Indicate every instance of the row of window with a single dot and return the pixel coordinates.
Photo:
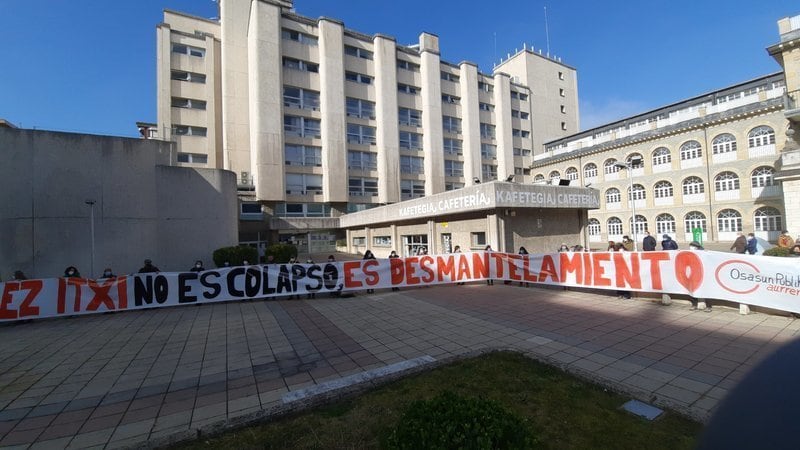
(728, 220)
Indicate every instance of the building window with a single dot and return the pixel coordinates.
(191, 77)
(298, 64)
(640, 224)
(691, 150)
(453, 168)
(357, 52)
(519, 114)
(488, 151)
(555, 176)
(520, 133)
(302, 210)
(564, 126)
(613, 195)
(446, 98)
(571, 173)
(362, 186)
(410, 117)
(303, 155)
(407, 89)
(294, 97)
(767, 219)
(412, 189)
(726, 181)
(357, 78)
(449, 76)
(452, 146)
(363, 109)
(519, 96)
(635, 156)
(563, 109)
(477, 240)
(303, 184)
(451, 124)
(485, 107)
(521, 151)
(729, 220)
(359, 241)
(762, 177)
(301, 127)
(760, 136)
(192, 158)
(594, 227)
(538, 178)
(695, 219)
(487, 131)
(189, 103)
(485, 87)
(411, 164)
(407, 65)
(665, 223)
(452, 186)
(560, 75)
(250, 209)
(188, 130)
(661, 155)
(410, 141)
(590, 170)
(382, 241)
(610, 166)
(488, 172)
(188, 50)
(561, 92)
(663, 189)
(360, 134)
(362, 160)
(723, 143)
(291, 35)
(693, 185)
(614, 226)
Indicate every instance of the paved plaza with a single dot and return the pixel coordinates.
(117, 380)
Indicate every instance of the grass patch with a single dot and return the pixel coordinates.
(561, 411)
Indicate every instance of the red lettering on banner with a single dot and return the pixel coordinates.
(372, 276)
(526, 271)
(599, 271)
(348, 267)
(61, 300)
(122, 292)
(396, 270)
(463, 268)
(411, 261)
(5, 301)
(689, 270)
(480, 265)
(627, 276)
(101, 295)
(587, 268)
(499, 264)
(655, 259)
(548, 269)
(424, 263)
(445, 268)
(512, 267)
(77, 282)
(33, 287)
(571, 263)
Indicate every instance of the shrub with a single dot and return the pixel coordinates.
(282, 252)
(450, 421)
(778, 251)
(235, 256)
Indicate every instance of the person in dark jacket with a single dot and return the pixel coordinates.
(627, 242)
(149, 267)
(489, 281)
(392, 256)
(740, 244)
(523, 251)
(71, 272)
(649, 242)
(198, 266)
(19, 275)
(752, 244)
(668, 243)
(108, 274)
(368, 255)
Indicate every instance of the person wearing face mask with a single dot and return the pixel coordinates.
(703, 304)
(108, 274)
(198, 266)
(149, 267)
(71, 272)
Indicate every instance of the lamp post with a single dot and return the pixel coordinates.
(636, 161)
(91, 203)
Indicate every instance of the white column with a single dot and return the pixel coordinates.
(502, 114)
(235, 86)
(213, 126)
(332, 106)
(388, 133)
(164, 82)
(432, 141)
(470, 121)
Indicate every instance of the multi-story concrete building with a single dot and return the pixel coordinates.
(707, 162)
(319, 120)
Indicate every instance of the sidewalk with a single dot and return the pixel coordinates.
(118, 380)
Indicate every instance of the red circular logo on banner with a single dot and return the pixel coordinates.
(737, 282)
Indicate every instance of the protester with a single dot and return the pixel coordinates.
(696, 247)
(740, 244)
(489, 281)
(627, 243)
(649, 242)
(19, 275)
(626, 295)
(108, 274)
(338, 292)
(563, 247)
(71, 272)
(523, 251)
(198, 266)
(310, 294)
(149, 267)
(457, 249)
(368, 255)
(752, 244)
(331, 258)
(668, 243)
(394, 255)
(784, 240)
(611, 246)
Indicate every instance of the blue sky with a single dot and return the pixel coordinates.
(89, 65)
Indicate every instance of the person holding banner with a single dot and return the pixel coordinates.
(740, 244)
(703, 303)
(71, 272)
(368, 255)
(394, 255)
(489, 281)
(149, 267)
(108, 274)
(649, 242)
(198, 266)
(626, 295)
(523, 251)
(19, 276)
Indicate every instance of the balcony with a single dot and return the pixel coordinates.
(791, 106)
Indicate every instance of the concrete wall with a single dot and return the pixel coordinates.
(144, 209)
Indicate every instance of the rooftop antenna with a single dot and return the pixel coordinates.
(546, 31)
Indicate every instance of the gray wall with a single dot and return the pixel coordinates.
(144, 208)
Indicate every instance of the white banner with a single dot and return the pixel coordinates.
(754, 280)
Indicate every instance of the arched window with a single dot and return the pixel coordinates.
(663, 189)
(571, 173)
(723, 143)
(555, 176)
(538, 178)
(610, 167)
(637, 192)
(767, 219)
(695, 219)
(665, 223)
(614, 226)
(726, 181)
(759, 136)
(636, 156)
(594, 227)
(640, 224)
(693, 185)
(691, 150)
(613, 196)
(661, 155)
(590, 170)
(762, 176)
(729, 220)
